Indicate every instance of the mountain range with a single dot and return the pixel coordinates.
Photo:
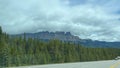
(68, 37)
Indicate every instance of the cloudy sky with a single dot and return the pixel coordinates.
(93, 19)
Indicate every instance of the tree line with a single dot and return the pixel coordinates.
(20, 51)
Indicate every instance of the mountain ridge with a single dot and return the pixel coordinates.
(68, 37)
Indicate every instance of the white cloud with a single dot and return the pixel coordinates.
(88, 20)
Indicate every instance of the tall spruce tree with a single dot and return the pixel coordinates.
(4, 50)
(0, 30)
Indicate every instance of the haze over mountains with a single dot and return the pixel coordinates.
(68, 37)
(93, 19)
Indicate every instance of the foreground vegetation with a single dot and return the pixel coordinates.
(21, 51)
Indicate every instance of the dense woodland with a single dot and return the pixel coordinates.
(21, 51)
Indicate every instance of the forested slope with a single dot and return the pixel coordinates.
(21, 51)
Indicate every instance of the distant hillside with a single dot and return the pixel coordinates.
(101, 44)
(68, 37)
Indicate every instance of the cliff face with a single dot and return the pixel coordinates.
(45, 35)
(68, 37)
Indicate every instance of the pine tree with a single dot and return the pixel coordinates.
(0, 30)
(4, 54)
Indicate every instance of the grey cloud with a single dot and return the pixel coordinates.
(83, 20)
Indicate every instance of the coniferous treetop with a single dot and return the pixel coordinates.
(0, 30)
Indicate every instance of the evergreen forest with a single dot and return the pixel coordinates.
(20, 51)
